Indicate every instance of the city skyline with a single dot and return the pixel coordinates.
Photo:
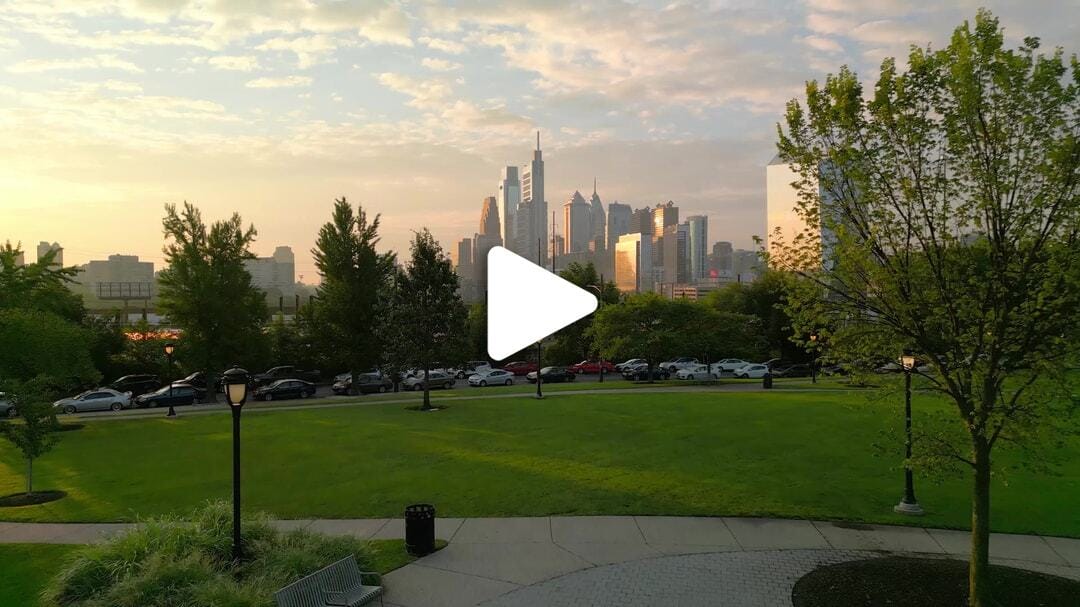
(113, 109)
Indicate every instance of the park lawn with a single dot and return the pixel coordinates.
(806, 454)
(27, 567)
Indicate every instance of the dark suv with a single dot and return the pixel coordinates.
(136, 384)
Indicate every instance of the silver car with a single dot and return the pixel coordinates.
(436, 379)
(99, 399)
(7, 407)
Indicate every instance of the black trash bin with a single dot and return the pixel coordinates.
(420, 529)
(766, 381)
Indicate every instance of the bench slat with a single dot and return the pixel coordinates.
(342, 578)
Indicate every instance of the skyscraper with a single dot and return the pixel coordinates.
(723, 260)
(783, 220)
(577, 224)
(642, 221)
(598, 221)
(618, 222)
(509, 200)
(698, 246)
(664, 215)
(633, 263)
(43, 249)
(489, 218)
(676, 258)
(532, 195)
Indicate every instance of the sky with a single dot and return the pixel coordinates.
(109, 109)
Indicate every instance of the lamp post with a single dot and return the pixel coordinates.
(813, 360)
(908, 504)
(236, 389)
(169, 349)
(600, 304)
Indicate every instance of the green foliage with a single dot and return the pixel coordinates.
(949, 204)
(427, 318)
(647, 326)
(575, 342)
(356, 283)
(178, 562)
(41, 285)
(40, 343)
(206, 291)
(765, 299)
(34, 434)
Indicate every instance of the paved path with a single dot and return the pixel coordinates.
(628, 560)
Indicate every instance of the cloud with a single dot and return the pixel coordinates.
(102, 62)
(309, 50)
(468, 116)
(237, 63)
(278, 82)
(442, 44)
(821, 43)
(425, 93)
(440, 65)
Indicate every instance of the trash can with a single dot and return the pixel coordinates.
(420, 529)
(766, 381)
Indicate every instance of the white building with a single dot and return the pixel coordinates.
(597, 220)
(107, 277)
(633, 263)
(509, 199)
(697, 243)
(533, 202)
(276, 274)
(44, 248)
(577, 224)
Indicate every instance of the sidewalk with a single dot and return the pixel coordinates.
(525, 562)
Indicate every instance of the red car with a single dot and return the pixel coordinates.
(591, 367)
(520, 367)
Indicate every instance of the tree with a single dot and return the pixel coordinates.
(650, 327)
(766, 299)
(575, 342)
(951, 221)
(42, 285)
(427, 314)
(206, 291)
(355, 284)
(35, 434)
(42, 344)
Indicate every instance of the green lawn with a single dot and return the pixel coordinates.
(782, 453)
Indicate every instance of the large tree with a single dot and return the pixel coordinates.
(427, 321)
(651, 327)
(42, 285)
(949, 225)
(765, 298)
(356, 279)
(575, 342)
(206, 291)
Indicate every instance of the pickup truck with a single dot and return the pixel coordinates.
(284, 372)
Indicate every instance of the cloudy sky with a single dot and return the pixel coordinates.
(111, 108)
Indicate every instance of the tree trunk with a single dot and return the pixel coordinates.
(29, 476)
(427, 394)
(979, 566)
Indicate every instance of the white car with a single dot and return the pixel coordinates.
(100, 399)
(492, 377)
(728, 365)
(697, 372)
(679, 363)
(471, 367)
(633, 362)
(751, 371)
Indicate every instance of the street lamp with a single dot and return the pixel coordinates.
(169, 349)
(600, 304)
(908, 504)
(813, 361)
(236, 389)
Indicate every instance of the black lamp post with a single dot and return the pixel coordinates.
(236, 389)
(169, 349)
(908, 504)
(539, 391)
(813, 361)
(600, 304)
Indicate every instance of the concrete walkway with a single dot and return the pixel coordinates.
(581, 560)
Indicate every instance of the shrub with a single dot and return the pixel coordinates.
(182, 562)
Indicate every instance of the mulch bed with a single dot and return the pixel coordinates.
(916, 582)
(38, 497)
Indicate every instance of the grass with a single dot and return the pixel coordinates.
(784, 453)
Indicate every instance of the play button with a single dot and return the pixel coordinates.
(526, 303)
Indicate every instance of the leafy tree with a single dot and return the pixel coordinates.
(35, 433)
(42, 344)
(427, 314)
(949, 209)
(42, 285)
(355, 285)
(476, 331)
(575, 342)
(766, 299)
(206, 291)
(648, 326)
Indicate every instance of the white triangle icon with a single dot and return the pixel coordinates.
(526, 303)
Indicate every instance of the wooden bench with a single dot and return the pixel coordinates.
(337, 585)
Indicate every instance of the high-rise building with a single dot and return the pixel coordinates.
(642, 221)
(117, 269)
(618, 222)
(664, 215)
(462, 257)
(44, 248)
(598, 221)
(784, 222)
(633, 263)
(558, 247)
(698, 226)
(274, 274)
(20, 259)
(722, 260)
(577, 224)
(489, 218)
(509, 200)
(748, 265)
(532, 196)
(482, 244)
(676, 258)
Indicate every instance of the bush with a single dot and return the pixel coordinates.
(182, 562)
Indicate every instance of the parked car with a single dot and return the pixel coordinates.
(520, 367)
(679, 363)
(368, 383)
(7, 406)
(180, 394)
(640, 372)
(471, 367)
(435, 380)
(591, 367)
(798, 370)
(136, 384)
(728, 365)
(492, 377)
(284, 372)
(633, 362)
(751, 372)
(698, 372)
(285, 388)
(552, 375)
(99, 399)
(197, 381)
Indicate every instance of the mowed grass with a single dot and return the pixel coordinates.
(782, 453)
(27, 568)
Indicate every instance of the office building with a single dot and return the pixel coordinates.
(783, 221)
(698, 248)
(748, 265)
(577, 224)
(44, 248)
(509, 201)
(642, 221)
(633, 263)
(598, 221)
(619, 218)
(489, 218)
(534, 203)
(276, 275)
(557, 250)
(20, 259)
(482, 244)
(722, 260)
(106, 276)
(664, 215)
(676, 259)
(462, 258)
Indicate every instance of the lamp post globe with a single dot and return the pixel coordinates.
(170, 347)
(236, 386)
(813, 361)
(236, 389)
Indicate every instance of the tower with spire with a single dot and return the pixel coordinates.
(598, 220)
(534, 206)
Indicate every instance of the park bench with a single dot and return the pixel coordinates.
(337, 585)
